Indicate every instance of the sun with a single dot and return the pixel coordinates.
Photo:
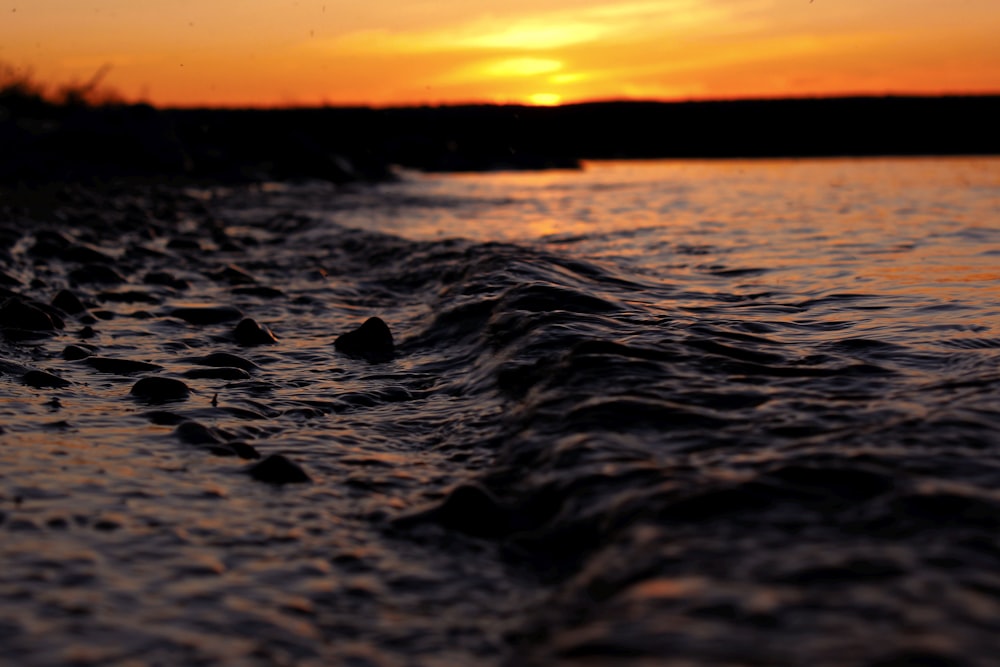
(545, 99)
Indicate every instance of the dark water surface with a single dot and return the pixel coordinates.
(687, 413)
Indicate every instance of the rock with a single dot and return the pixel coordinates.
(68, 302)
(96, 273)
(194, 433)
(17, 313)
(277, 469)
(244, 450)
(371, 341)
(164, 418)
(222, 373)
(473, 510)
(87, 332)
(207, 314)
(248, 332)
(43, 380)
(470, 509)
(160, 389)
(235, 448)
(224, 360)
(75, 352)
(7, 279)
(119, 366)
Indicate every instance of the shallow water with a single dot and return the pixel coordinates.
(733, 412)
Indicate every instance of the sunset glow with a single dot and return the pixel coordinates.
(268, 52)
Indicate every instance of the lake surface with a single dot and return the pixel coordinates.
(683, 413)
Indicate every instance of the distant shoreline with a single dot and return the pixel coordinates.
(49, 142)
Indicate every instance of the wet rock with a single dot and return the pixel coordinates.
(7, 279)
(75, 353)
(224, 360)
(469, 509)
(235, 448)
(473, 510)
(249, 332)
(371, 341)
(182, 243)
(222, 373)
(87, 332)
(17, 313)
(194, 433)
(164, 418)
(43, 380)
(119, 366)
(166, 279)
(277, 469)
(202, 315)
(243, 450)
(96, 274)
(68, 302)
(160, 389)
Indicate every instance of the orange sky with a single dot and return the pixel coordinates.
(396, 52)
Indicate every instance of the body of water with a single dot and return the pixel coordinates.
(682, 413)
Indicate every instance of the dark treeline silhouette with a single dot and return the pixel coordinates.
(73, 140)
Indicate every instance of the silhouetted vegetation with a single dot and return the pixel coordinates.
(82, 132)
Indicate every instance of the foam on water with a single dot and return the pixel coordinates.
(692, 412)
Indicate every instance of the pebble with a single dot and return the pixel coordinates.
(207, 314)
(371, 341)
(16, 313)
(43, 380)
(249, 332)
(68, 302)
(194, 433)
(158, 389)
(119, 366)
(278, 469)
(75, 352)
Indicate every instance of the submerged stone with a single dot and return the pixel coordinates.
(119, 366)
(16, 313)
(158, 389)
(249, 332)
(194, 433)
(68, 302)
(224, 360)
(278, 469)
(371, 341)
(43, 380)
(75, 352)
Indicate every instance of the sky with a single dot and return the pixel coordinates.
(399, 53)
